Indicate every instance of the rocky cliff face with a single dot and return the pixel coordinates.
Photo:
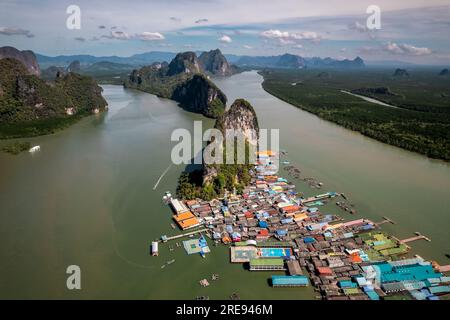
(26, 57)
(215, 63)
(185, 62)
(240, 116)
(200, 95)
(183, 81)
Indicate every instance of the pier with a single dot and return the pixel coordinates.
(417, 237)
(385, 220)
(165, 238)
(319, 197)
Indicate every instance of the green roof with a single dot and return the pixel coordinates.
(267, 262)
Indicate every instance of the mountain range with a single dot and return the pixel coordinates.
(143, 59)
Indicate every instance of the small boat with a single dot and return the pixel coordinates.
(34, 149)
(286, 162)
(170, 261)
(163, 266)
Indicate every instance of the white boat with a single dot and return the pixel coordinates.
(34, 149)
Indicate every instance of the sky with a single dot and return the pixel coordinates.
(413, 31)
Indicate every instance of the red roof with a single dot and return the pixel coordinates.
(325, 270)
(264, 232)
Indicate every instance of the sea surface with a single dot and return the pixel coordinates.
(92, 197)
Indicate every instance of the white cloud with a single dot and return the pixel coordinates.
(150, 36)
(246, 46)
(407, 49)
(225, 39)
(119, 35)
(290, 38)
(15, 31)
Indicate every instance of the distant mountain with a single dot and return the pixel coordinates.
(74, 66)
(27, 58)
(295, 62)
(401, 73)
(140, 59)
(215, 63)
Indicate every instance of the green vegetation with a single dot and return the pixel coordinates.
(30, 106)
(16, 147)
(421, 123)
(228, 177)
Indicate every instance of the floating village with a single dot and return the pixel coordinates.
(271, 227)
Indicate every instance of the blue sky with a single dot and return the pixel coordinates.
(411, 30)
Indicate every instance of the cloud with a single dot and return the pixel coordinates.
(225, 39)
(289, 38)
(246, 46)
(406, 49)
(201, 20)
(118, 35)
(81, 39)
(150, 36)
(176, 19)
(15, 32)
(101, 27)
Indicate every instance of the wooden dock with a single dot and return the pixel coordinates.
(417, 236)
(187, 234)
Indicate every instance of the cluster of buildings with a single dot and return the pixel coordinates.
(269, 227)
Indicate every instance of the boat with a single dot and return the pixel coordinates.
(286, 162)
(34, 149)
(170, 261)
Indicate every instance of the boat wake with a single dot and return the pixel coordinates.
(162, 176)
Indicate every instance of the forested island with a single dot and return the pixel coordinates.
(419, 122)
(31, 106)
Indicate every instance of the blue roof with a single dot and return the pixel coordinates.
(347, 284)
(290, 280)
(373, 295)
(263, 224)
(281, 232)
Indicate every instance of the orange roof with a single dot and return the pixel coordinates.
(188, 223)
(183, 216)
(355, 258)
(324, 270)
(266, 153)
(300, 216)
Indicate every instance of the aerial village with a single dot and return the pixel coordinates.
(270, 227)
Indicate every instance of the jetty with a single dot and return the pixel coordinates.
(385, 220)
(418, 236)
(319, 197)
(165, 238)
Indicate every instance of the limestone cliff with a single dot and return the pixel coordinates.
(200, 95)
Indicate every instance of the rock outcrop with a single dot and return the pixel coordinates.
(181, 80)
(239, 117)
(26, 57)
(215, 63)
(200, 95)
(185, 62)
